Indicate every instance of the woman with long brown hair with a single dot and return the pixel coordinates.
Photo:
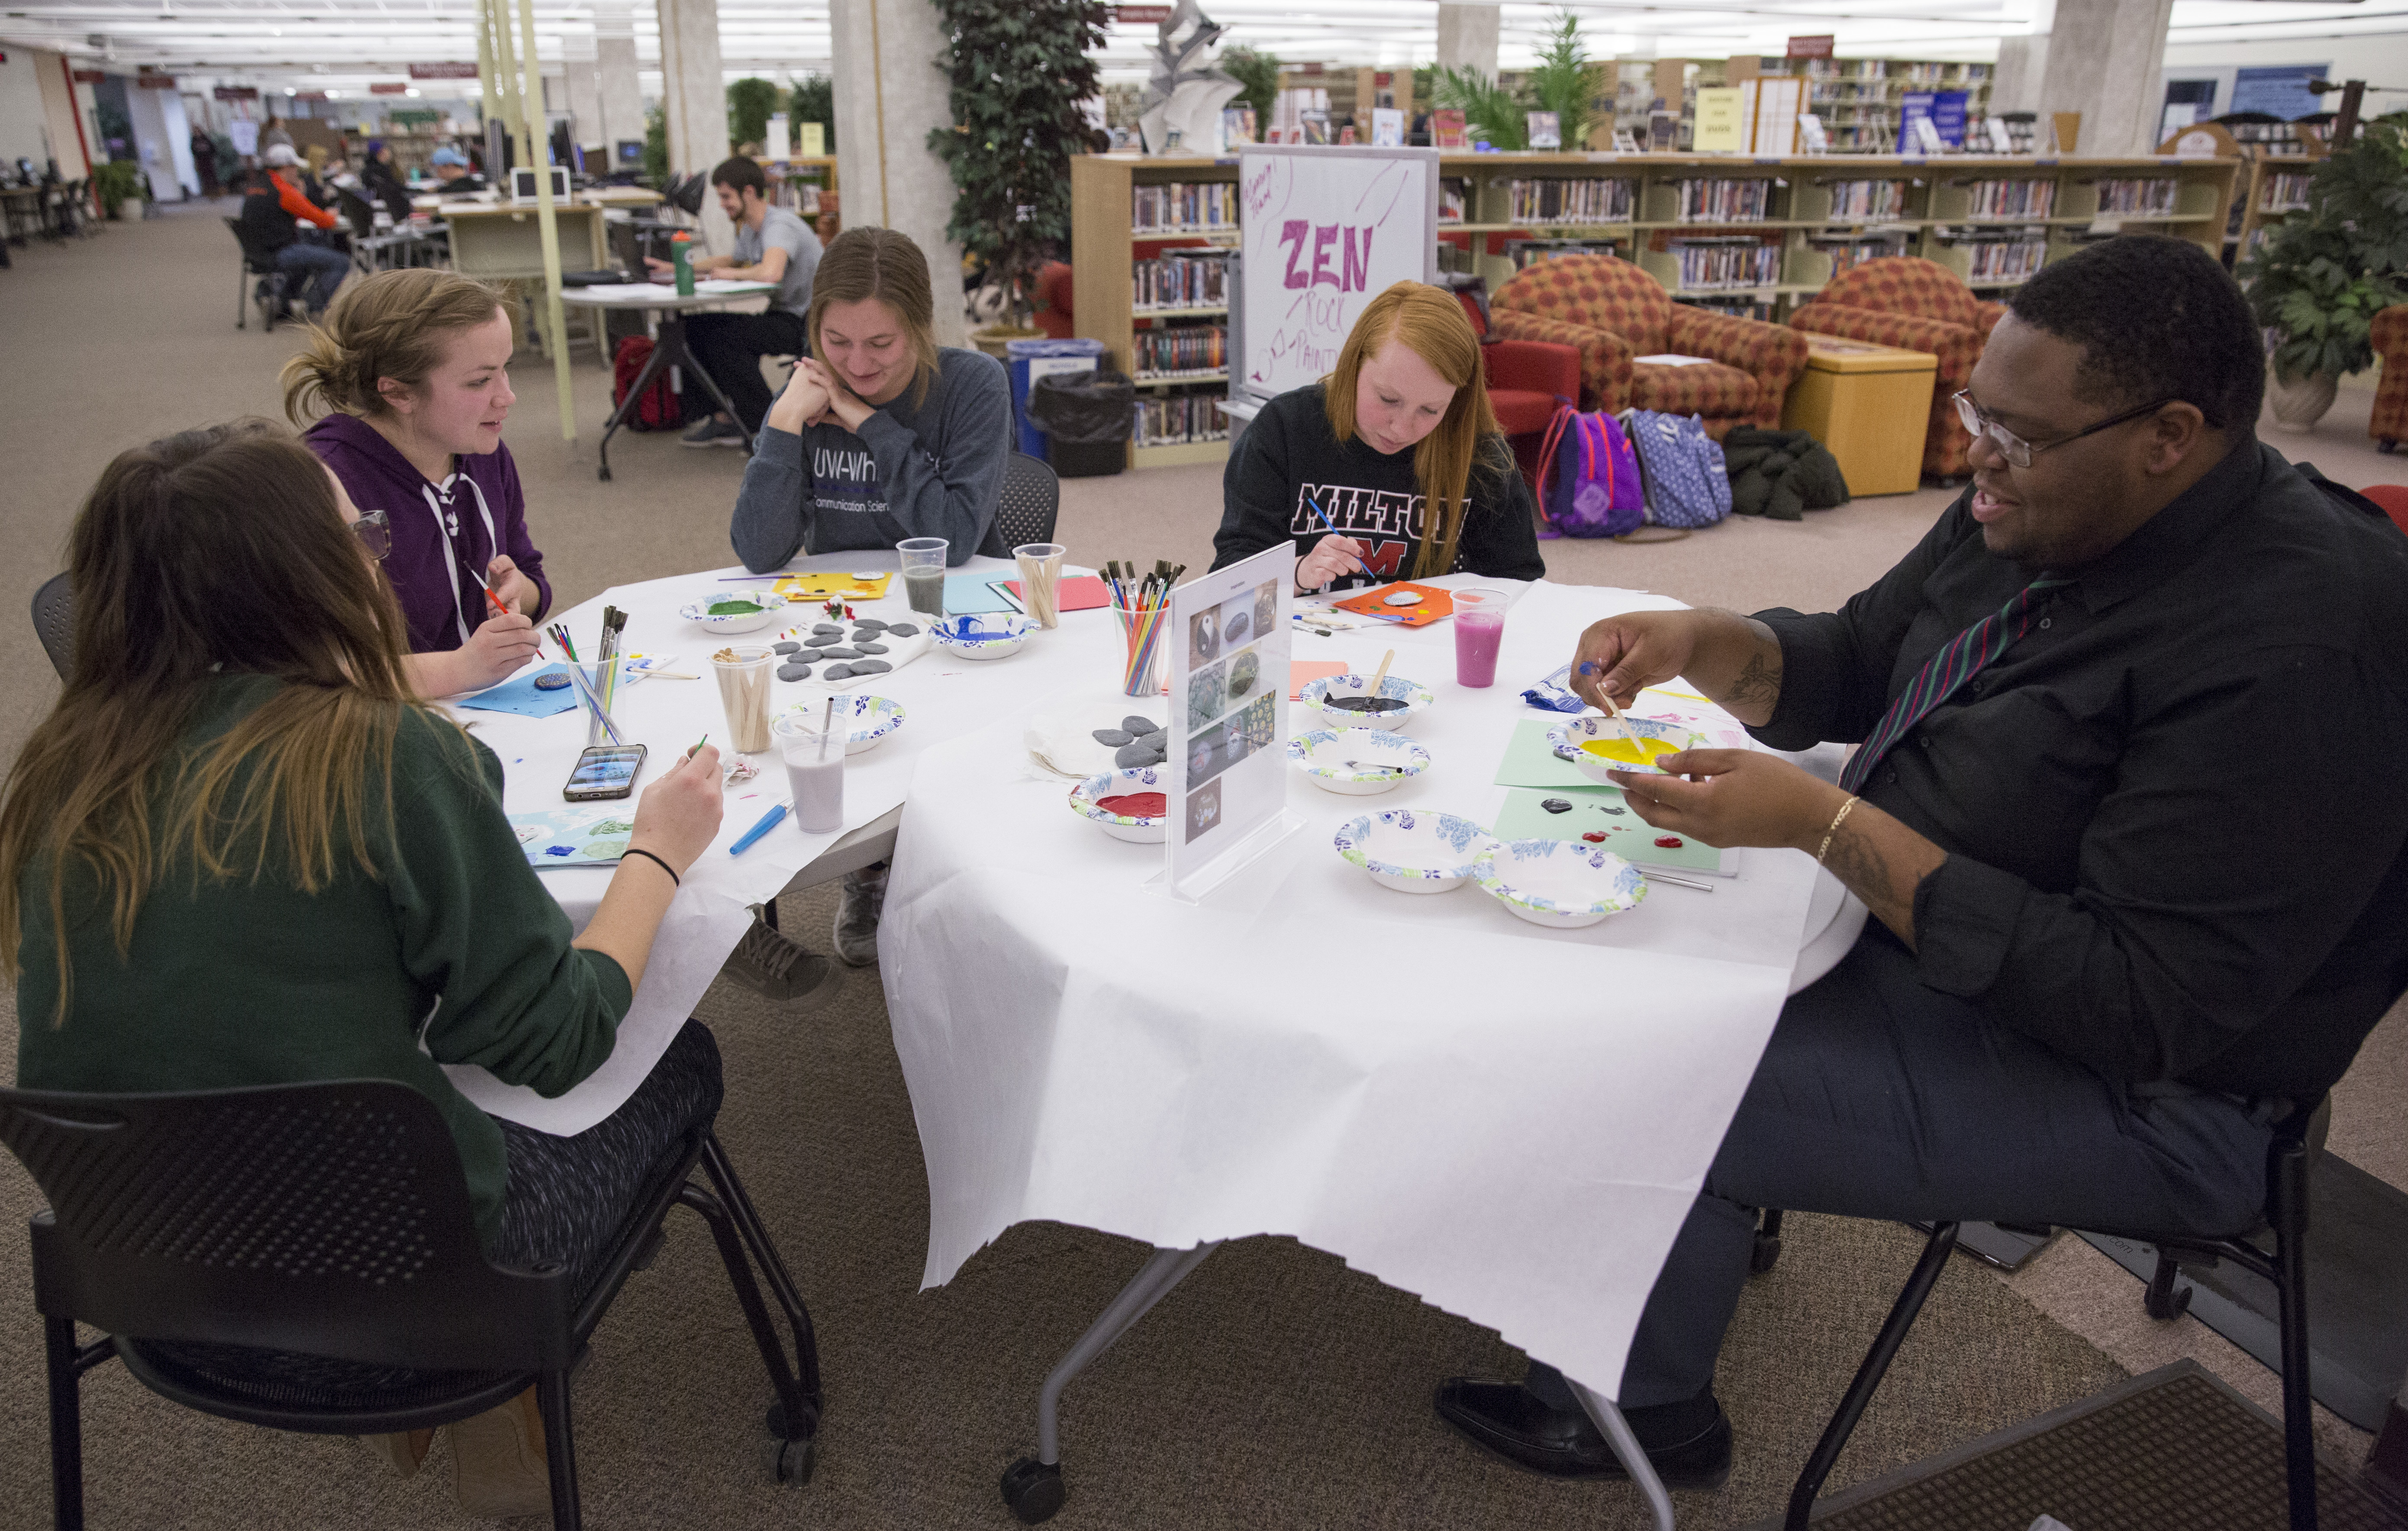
(1397, 447)
(239, 851)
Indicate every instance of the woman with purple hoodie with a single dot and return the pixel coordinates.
(409, 369)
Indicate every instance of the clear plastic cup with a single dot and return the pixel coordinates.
(1040, 578)
(924, 573)
(814, 773)
(744, 693)
(1479, 632)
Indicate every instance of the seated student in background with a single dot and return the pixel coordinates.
(1398, 445)
(453, 172)
(2102, 963)
(772, 244)
(274, 199)
(382, 184)
(881, 434)
(413, 365)
(239, 851)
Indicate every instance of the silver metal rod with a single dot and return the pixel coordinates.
(1149, 1285)
(1609, 1419)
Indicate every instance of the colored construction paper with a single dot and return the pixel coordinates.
(967, 594)
(1528, 761)
(1072, 593)
(1602, 810)
(1435, 603)
(1301, 671)
(520, 696)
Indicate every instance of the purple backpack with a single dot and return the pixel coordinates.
(1588, 477)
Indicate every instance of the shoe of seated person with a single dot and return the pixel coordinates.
(712, 432)
(860, 903)
(776, 967)
(498, 1468)
(1690, 1443)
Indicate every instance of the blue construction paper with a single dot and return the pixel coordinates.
(520, 696)
(965, 594)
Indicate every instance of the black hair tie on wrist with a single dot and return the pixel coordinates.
(674, 879)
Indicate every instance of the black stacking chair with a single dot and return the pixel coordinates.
(1032, 498)
(270, 290)
(332, 1218)
(54, 621)
(2296, 1140)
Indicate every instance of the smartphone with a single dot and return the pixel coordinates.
(604, 770)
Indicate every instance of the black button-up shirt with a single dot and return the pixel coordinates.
(2174, 810)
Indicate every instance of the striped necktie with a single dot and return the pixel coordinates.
(1951, 667)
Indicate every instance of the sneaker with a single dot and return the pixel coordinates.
(862, 900)
(712, 432)
(771, 965)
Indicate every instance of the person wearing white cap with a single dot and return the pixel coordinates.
(270, 206)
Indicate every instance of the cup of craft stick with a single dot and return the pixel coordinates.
(1041, 575)
(744, 671)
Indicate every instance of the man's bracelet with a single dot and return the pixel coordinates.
(1826, 848)
(677, 882)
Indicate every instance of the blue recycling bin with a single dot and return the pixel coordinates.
(1029, 360)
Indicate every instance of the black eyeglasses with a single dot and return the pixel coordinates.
(2019, 451)
(374, 532)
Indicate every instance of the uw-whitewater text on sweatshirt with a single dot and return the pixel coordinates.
(930, 469)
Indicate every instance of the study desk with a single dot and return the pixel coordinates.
(1305, 1052)
(504, 241)
(669, 349)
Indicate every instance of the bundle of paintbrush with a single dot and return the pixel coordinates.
(606, 675)
(1133, 590)
(1141, 605)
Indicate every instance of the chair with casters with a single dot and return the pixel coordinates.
(332, 1218)
(54, 621)
(1032, 498)
(268, 291)
(2296, 1141)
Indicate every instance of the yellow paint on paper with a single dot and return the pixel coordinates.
(1639, 752)
(819, 587)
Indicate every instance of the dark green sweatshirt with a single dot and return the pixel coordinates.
(456, 944)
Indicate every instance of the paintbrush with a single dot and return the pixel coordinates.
(1638, 750)
(1651, 875)
(1333, 532)
(1373, 690)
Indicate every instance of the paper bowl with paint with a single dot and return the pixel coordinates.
(874, 718)
(1351, 761)
(982, 635)
(741, 612)
(1561, 884)
(1414, 849)
(1328, 695)
(1104, 801)
(1571, 739)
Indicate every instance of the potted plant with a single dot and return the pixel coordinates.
(117, 181)
(1019, 68)
(2320, 277)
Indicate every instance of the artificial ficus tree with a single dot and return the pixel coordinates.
(1020, 69)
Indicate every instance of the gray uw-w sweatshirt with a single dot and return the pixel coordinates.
(936, 470)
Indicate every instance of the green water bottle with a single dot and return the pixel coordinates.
(681, 258)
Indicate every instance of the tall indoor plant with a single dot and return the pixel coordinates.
(2320, 277)
(1019, 68)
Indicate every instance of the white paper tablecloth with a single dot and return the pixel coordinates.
(944, 699)
(1508, 1121)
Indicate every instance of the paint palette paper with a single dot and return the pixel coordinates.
(1591, 809)
(523, 698)
(580, 835)
(819, 587)
(1529, 762)
(1434, 604)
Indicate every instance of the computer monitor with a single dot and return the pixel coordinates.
(631, 152)
(523, 186)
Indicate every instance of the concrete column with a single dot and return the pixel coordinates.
(622, 99)
(1467, 39)
(695, 100)
(2105, 59)
(583, 81)
(890, 89)
(2022, 60)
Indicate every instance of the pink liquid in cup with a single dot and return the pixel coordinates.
(1479, 632)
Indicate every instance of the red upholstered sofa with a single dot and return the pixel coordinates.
(1920, 305)
(2390, 421)
(1612, 312)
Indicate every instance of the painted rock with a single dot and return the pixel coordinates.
(793, 672)
(868, 647)
(871, 666)
(901, 629)
(551, 682)
(1113, 736)
(837, 672)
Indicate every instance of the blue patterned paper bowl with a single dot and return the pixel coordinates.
(1322, 756)
(1086, 802)
(1562, 884)
(768, 607)
(981, 634)
(873, 719)
(1314, 695)
(1414, 849)
(1566, 739)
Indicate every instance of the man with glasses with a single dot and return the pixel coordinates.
(2125, 806)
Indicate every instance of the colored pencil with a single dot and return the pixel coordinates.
(768, 822)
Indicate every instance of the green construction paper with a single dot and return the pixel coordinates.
(1528, 761)
(1627, 835)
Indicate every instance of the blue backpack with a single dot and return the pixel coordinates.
(1588, 479)
(1686, 483)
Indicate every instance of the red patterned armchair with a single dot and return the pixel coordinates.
(1527, 382)
(1612, 312)
(1918, 304)
(2390, 421)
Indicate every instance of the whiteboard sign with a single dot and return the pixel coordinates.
(1325, 231)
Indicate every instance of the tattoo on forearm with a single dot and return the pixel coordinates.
(1758, 683)
(1857, 863)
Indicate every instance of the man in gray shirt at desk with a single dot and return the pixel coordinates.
(772, 244)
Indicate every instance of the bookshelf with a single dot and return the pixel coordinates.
(1858, 99)
(806, 185)
(1992, 219)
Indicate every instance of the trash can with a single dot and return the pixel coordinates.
(1029, 360)
(1086, 418)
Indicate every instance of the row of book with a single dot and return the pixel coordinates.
(1747, 200)
(1526, 252)
(2142, 195)
(1566, 201)
(2286, 191)
(1867, 198)
(1847, 253)
(1184, 207)
(1180, 281)
(2027, 198)
(1730, 261)
(1191, 351)
(1179, 418)
(2002, 255)
(1756, 308)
